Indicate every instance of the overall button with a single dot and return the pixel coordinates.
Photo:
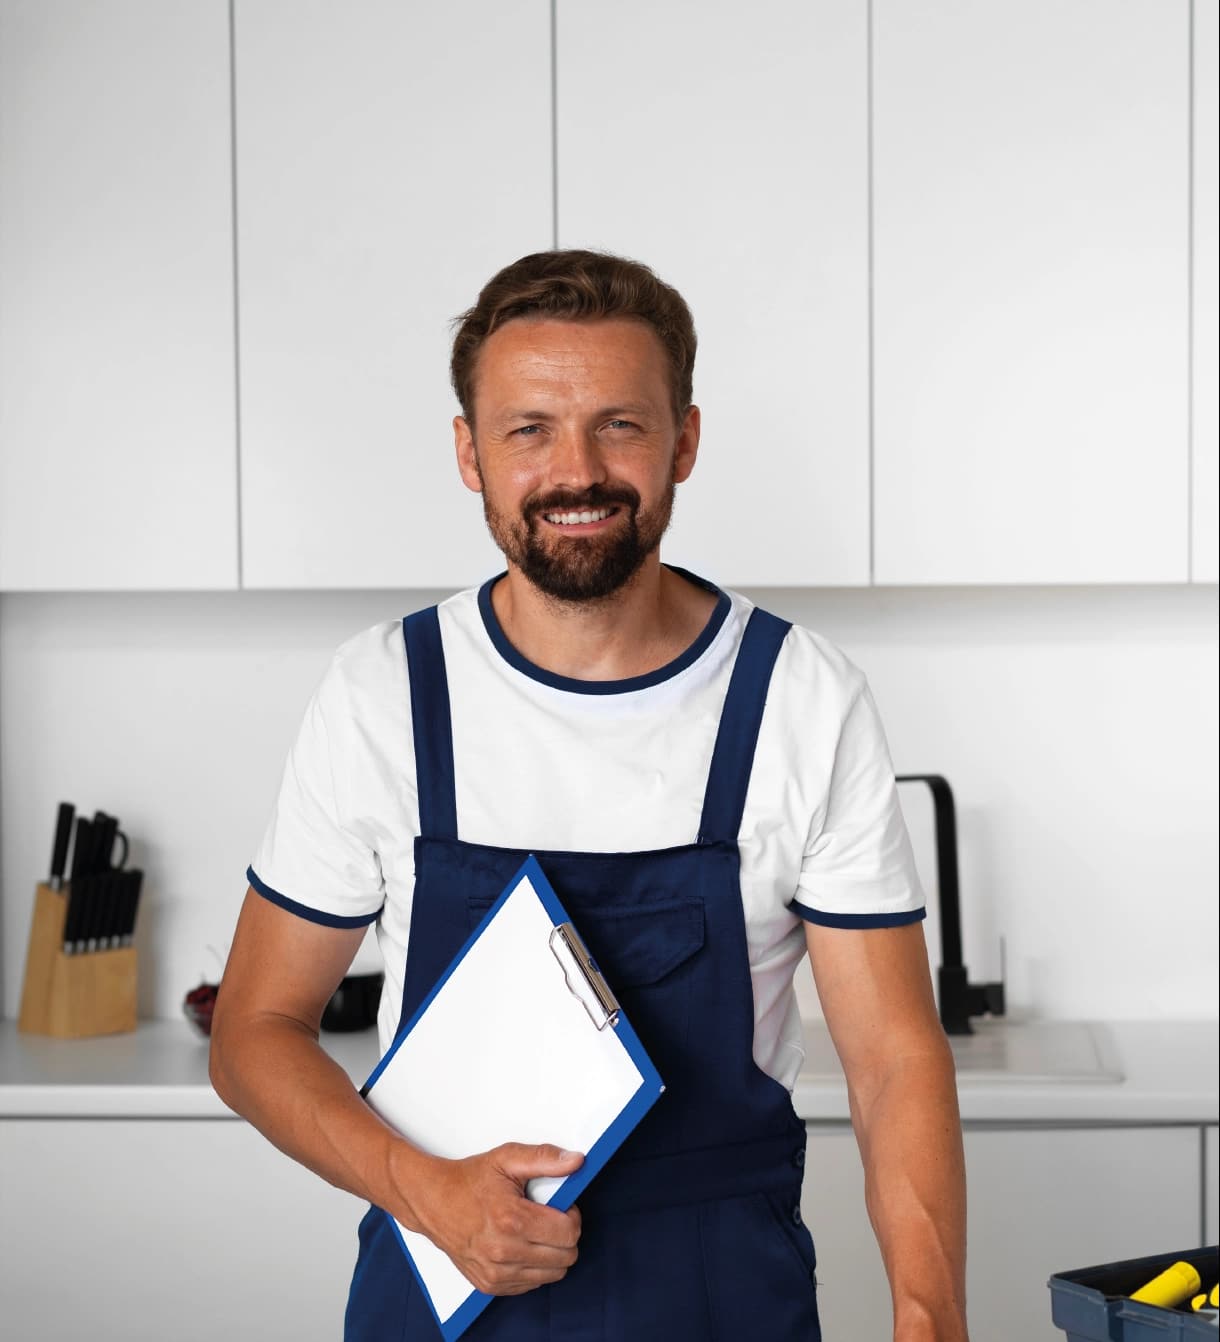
(798, 1157)
(796, 1215)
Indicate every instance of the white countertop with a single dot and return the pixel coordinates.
(1008, 1072)
(1055, 1072)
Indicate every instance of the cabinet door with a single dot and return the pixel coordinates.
(853, 1293)
(118, 465)
(1040, 1202)
(726, 146)
(390, 159)
(1031, 291)
(1205, 428)
(134, 1230)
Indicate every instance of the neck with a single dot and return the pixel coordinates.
(645, 624)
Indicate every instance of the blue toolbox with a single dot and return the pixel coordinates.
(1092, 1304)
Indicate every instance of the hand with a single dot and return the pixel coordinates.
(477, 1211)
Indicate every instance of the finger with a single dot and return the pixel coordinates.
(548, 1257)
(530, 1266)
(523, 1162)
(529, 1280)
(546, 1226)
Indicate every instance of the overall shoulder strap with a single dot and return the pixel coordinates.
(431, 724)
(733, 756)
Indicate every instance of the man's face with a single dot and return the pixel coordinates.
(575, 450)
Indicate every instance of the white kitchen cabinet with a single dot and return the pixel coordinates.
(1030, 286)
(1041, 1200)
(853, 1294)
(148, 1229)
(1205, 428)
(390, 158)
(118, 447)
(727, 147)
(1047, 1201)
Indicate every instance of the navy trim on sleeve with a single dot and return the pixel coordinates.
(857, 919)
(303, 910)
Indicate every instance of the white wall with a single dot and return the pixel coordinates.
(1078, 728)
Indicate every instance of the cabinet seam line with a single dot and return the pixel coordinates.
(1190, 291)
(237, 419)
(554, 125)
(871, 308)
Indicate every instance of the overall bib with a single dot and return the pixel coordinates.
(693, 1230)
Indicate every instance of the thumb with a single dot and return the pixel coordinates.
(522, 1162)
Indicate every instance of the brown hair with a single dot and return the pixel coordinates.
(577, 286)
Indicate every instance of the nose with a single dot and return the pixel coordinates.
(576, 461)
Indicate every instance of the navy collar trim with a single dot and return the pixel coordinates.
(680, 663)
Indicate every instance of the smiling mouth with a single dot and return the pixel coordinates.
(578, 517)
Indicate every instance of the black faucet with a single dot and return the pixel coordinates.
(959, 998)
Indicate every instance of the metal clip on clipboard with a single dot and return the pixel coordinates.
(582, 976)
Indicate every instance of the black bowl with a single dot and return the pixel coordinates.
(354, 1004)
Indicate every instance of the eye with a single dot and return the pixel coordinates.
(527, 430)
(620, 424)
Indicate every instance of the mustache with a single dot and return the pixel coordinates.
(596, 496)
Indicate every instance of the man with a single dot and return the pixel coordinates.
(709, 791)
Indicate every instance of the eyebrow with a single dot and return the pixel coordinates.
(607, 411)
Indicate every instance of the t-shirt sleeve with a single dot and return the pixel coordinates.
(858, 868)
(310, 861)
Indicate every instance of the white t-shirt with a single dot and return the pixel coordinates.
(545, 762)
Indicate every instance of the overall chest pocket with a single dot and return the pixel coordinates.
(640, 945)
(650, 955)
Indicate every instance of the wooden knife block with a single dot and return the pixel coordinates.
(73, 996)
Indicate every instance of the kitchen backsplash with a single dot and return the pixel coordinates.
(1077, 726)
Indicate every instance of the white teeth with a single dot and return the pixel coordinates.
(573, 519)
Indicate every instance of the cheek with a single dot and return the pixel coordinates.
(511, 483)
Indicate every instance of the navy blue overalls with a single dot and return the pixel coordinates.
(693, 1230)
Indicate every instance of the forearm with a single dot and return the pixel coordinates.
(272, 1071)
(909, 1133)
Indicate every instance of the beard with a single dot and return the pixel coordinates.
(582, 568)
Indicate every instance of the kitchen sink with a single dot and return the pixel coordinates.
(1035, 1051)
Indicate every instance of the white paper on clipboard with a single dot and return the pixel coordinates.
(506, 1051)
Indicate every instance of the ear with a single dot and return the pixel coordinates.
(467, 456)
(686, 449)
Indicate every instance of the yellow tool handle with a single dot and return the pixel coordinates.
(1171, 1288)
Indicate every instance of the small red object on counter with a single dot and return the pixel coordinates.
(198, 1005)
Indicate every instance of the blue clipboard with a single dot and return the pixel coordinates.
(555, 1052)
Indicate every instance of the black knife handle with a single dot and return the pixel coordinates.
(71, 920)
(99, 859)
(86, 929)
(63, 836)
(131, 881)
(79, 902)
(82, 849)
(105, 910)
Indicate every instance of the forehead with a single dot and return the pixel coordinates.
(530, 357)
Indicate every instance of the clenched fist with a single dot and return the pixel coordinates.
(477, 1211)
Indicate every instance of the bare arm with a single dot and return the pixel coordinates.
(267, 1064)
(877, 998)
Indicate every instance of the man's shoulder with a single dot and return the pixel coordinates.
(371, 652)
(379, 652)
(811, 661)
